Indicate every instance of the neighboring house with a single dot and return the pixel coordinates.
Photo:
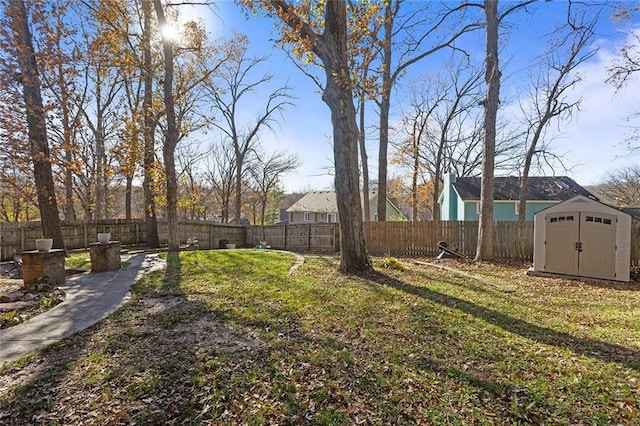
(460, 197)
(633, 210)
(288, 201)
(321, 206)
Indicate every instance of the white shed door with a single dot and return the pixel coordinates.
(598, 240)
(581, 244)
(563, 231)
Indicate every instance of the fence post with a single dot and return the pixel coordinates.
(309, 236)
(286, 225)
(245, 235)
(336, 237)
(22, 247)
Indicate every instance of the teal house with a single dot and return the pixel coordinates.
(460, 196)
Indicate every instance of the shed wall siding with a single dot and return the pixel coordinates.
(623, 252)
(539, 235)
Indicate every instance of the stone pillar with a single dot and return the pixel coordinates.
(105, 257)
(43, 267)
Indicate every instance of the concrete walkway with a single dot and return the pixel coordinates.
(89, 298)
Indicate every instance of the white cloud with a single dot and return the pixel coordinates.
(595, 139)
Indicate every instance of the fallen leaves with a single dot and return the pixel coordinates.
(241, 344)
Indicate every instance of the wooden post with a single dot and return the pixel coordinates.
(285, 236)
(22, 248)
(245, 233)
(309, 236)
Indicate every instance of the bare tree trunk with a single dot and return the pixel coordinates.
(524, 188)
(385, 106)
(332, 49)
(486, 224)
(171, 137)
(127, 197)
(150, 218)
(414, 176)
(238, 197)
(100, 158)
(69, 210)
(339, 97)
(364, 161)
(36, 123)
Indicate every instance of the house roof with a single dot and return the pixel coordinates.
(325, 202)
(541, 188)
(582, 203)
(316, 201)
(634, 212)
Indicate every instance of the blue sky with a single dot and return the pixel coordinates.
(592, 144)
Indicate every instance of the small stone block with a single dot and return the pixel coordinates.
(105, 257)
(14, 296)
(8, 307)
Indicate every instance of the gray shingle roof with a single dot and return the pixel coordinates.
(542, 188)
(317, 201)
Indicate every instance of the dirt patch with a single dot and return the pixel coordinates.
(212, 332)
(209, 331)
(19, 303)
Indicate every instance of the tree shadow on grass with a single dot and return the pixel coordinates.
(607, 352)
(149, 363)
(163, 359)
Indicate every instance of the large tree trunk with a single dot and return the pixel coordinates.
(331, 47)
(36, 123)
(486, 225)
(385, 106)
(101, 160)
(364, 161)
(238, 197)
(150, 218)
(339, 97)
(171, 137)
(68, 145)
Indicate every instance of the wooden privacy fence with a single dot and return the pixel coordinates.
(316, 237)
(513, 241)
(18, 237)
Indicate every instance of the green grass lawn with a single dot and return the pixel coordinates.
(228, 337)
(78, 259)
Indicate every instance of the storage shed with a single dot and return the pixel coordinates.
(582, 237)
